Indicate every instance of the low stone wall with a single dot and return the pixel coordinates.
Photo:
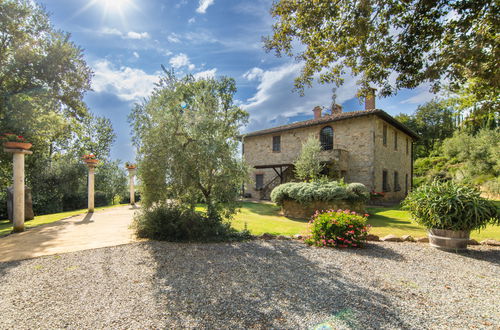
(294, 209)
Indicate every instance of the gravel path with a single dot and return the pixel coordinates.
(258, 284)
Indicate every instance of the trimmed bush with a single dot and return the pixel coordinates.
(451, 206)
(325, 191)
(340, 228)
(175, 223)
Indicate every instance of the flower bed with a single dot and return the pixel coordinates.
(13, 141)
(302, 199)
(338, 228)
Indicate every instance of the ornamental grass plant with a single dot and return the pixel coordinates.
(451, 206)
(338, 228)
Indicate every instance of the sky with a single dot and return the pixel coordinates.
(125, 42)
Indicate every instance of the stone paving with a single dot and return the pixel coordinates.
(109, 227)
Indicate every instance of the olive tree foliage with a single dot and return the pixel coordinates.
(417, 41)
(186, 135)
(308, 166)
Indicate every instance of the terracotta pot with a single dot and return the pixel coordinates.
(17, 145)
(91, 161)
(448, 239)
(130, 167)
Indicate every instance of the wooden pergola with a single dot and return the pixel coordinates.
(278, 168)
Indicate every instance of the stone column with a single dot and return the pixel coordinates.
(131, 172)
(18, 200)
(91, 188)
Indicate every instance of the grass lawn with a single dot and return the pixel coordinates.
(6, 226)
(264, 218)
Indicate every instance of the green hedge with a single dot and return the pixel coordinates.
(306, 192)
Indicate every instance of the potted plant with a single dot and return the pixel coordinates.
(450, 211)
(90, 159)
(130, 165)
(374, 195)
(13, 141)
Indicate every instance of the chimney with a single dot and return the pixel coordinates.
(336, 109)
(317, 112)
(370, 99)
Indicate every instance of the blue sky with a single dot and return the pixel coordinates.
(126, 41)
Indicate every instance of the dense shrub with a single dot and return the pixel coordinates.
(171, 222)
(452, 206)
(326, 191)
(340, 228)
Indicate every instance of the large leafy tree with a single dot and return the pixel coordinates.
(43, 78)
(416, 41)
(433, 121)
(187, 139)
(38, 64)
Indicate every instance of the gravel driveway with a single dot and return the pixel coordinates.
(258, 284)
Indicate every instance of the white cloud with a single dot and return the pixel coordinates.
(137, 35)
(274, 102)
(422, 95)
(128, 35)
(191, 20)
(255, 73)
(203, 5)
(111, 31)
(174, 37)
(126, 83)
(207, 74)
(181, 60)
(136, 54)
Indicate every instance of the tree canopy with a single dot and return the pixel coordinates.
(186, 134)
(43, 78)
(413, 41)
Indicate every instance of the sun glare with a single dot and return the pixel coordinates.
(110, 8)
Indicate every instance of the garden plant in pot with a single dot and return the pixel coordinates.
(450, 211)
(13, 141)
(130, 165)
(90, 159)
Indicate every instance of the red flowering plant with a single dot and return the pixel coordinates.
(376, 195)
(338, 228)
(11, 137)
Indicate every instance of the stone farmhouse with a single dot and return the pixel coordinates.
(368, 146)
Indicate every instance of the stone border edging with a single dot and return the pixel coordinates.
(375, 238)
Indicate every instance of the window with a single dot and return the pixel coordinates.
(243, 148)
(259, 181)
(384, 135)
(277, 143)
(326, 138)
(407, 146)
(385, 183)
(395, 140)
(397, 187)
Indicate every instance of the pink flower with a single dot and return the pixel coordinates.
(366, 215)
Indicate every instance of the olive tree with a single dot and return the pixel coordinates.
(308, 166)
(186, 134)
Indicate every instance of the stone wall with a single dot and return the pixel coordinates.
(357, 140)
(391, 160)
(294, 209)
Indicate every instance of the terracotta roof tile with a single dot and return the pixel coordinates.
(336, 117)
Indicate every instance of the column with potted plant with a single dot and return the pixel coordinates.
(18, 146)
(450, 211)
(91, 161)
(131, 172)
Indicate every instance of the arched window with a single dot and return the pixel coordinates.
(326, 138)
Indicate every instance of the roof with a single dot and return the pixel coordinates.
(337, 117)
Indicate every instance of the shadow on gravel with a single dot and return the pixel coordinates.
(492, 256)
(376, 251)
(275, 284)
